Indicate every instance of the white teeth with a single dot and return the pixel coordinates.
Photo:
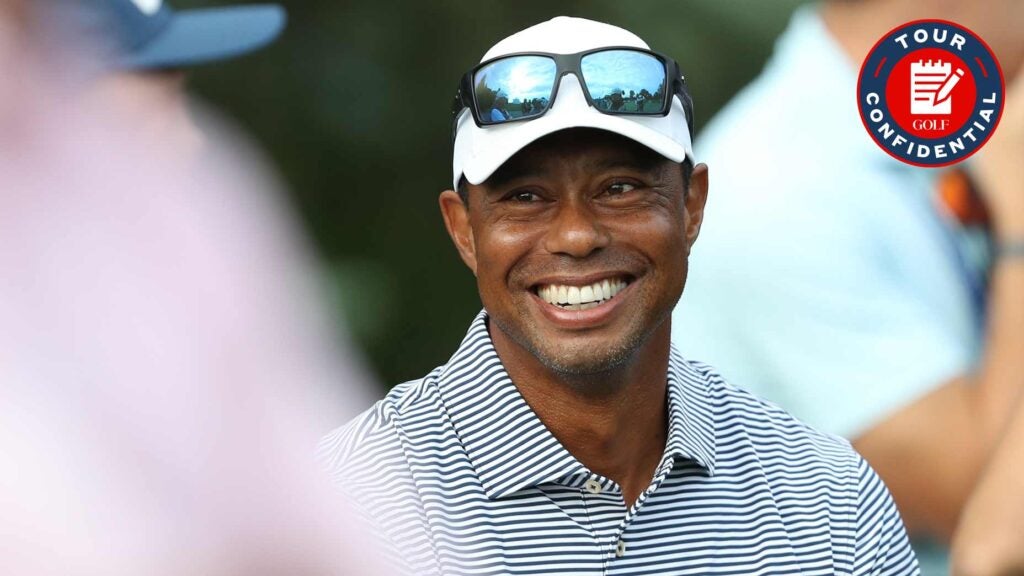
(587, 294)
(580, 297)
(574, 295)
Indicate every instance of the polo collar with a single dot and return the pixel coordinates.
(511, 449)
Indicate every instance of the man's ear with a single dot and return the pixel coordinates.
(456, 220)
(697, 196)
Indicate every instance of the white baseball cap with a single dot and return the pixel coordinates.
(479, 151)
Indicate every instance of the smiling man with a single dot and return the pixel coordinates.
(566, 435)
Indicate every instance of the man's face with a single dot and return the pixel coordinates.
(579, 244)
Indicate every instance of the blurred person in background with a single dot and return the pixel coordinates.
(857, 291)
(990, 533)
(564, 434)
(165, 359)
(135, 54)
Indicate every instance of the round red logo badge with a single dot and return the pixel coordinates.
(930, 93)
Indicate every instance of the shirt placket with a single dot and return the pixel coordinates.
(607, 516)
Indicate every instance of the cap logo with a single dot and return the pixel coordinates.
(148, 7)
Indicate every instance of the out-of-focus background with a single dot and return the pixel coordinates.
(353, 104)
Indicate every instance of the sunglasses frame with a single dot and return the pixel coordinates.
(465, 97)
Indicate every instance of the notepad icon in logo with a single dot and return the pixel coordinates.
(931, 86)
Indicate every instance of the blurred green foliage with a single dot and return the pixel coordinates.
(353, 104)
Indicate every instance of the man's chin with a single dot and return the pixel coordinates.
(575, 355)
(574, 368)
(585, 360)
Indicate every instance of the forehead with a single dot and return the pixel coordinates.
(579, 147)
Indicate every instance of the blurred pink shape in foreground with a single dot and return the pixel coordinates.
(166, 366)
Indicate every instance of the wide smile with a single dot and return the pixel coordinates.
(570, 297)
(581, 302)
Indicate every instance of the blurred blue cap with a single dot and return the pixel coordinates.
(150, 34)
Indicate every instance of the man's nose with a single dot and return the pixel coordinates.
(576, 231)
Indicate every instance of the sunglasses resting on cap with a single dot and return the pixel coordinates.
(615, 80)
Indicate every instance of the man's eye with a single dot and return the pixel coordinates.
(620, 188)
(523, 196)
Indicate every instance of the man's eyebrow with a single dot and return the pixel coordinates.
(640, 162)
(511, 171)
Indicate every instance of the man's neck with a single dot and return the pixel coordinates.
(614, 422)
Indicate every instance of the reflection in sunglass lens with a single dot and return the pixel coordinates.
(625, 81)
(513, 88)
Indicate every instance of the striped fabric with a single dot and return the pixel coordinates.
(457, 475)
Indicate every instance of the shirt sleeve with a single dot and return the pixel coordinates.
(836, 296)
(881, 547)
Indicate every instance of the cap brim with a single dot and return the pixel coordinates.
(209, 34)
(499, 143)
(480, 151)
(486, 163)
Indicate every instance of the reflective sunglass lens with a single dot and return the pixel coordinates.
(625, 81)
(513, 88)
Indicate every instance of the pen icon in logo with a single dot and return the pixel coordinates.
(931, 85)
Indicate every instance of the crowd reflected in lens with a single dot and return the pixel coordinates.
(625, 81)
(513, 88)
(618, 82)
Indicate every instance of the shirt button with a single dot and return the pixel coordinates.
(620, 549)
(593, 486)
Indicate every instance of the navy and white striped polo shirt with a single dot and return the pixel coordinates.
(458, 476)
